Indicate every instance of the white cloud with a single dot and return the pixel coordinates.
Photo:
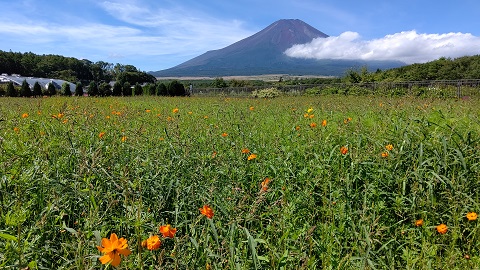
(409, 47)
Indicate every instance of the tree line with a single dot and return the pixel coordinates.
(70, 69)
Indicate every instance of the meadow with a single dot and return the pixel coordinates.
(329, 182)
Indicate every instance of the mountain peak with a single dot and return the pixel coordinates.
(262, 53)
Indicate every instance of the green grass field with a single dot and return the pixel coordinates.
(76, 170)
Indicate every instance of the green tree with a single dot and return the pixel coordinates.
(51, 90)
(66, 89)
(37, 90)
(127, 89)
(138, 90)
(93, 89)
(11, 91)
(117, 89)
(105, 89)
(176, 89)
(219, 83)
(162, 90)
(25, 90)
(79, 89)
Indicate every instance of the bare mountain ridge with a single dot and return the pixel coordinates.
(263, 53)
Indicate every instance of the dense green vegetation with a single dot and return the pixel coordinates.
(69, 68)
(353, 182)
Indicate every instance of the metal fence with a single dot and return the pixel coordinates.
(440, 88)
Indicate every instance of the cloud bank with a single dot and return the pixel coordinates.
(409, 47)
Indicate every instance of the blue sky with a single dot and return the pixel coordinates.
(154, 35)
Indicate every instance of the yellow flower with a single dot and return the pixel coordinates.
(419, 223)
(384, 154)
(343, 150)
(175, 110)
(206, 211)
(442, 228)
(112, 248)
(25, 115)
(472, 216)
(389, 147)
(168, 231)
(252, 156)
(153, 242)
(324, 123)
(310, 110)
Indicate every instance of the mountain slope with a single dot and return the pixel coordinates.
(263, 53)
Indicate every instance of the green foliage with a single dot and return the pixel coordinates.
(79, 89)
(219, 83)
(93, 89)
(161, 89)
(66, 89)
(64, 187)
(266, 93)
(104, 89)
(137, 89)
(37, 89)
(25, 90)
(117, 89)
(11, 91)
(51, 90)
(175, 88)
(127, 89)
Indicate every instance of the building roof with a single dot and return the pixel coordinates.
(18, 80)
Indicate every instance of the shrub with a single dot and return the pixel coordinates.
(266, 93)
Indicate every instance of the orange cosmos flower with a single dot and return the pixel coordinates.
(153, 242)
(442, 228)
(311, 116)
(419, 223)
(252, 156)
(313, 125)
(175, 110)
(214, 154)
(389, 147)
(25, 115)
(347, 120)
(112, 248)
(169, 118)
(190, 112)
(101, 134)
(324, 123)
(147, 110)
(16, 129)
(297, 128)
(224, 134)
(305, 115)
(265, 184)
(168, 231)
(252, 108)
(206, 211)
(343, 150)
(205, 117)
(124, 138)
(245, 151)
(472, 216)
(385, 154)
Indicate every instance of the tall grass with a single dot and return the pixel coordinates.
(75, 170)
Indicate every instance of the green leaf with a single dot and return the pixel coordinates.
(8, 237)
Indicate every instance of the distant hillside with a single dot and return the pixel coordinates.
(68, 68)
(263, 53)
(467, 67)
